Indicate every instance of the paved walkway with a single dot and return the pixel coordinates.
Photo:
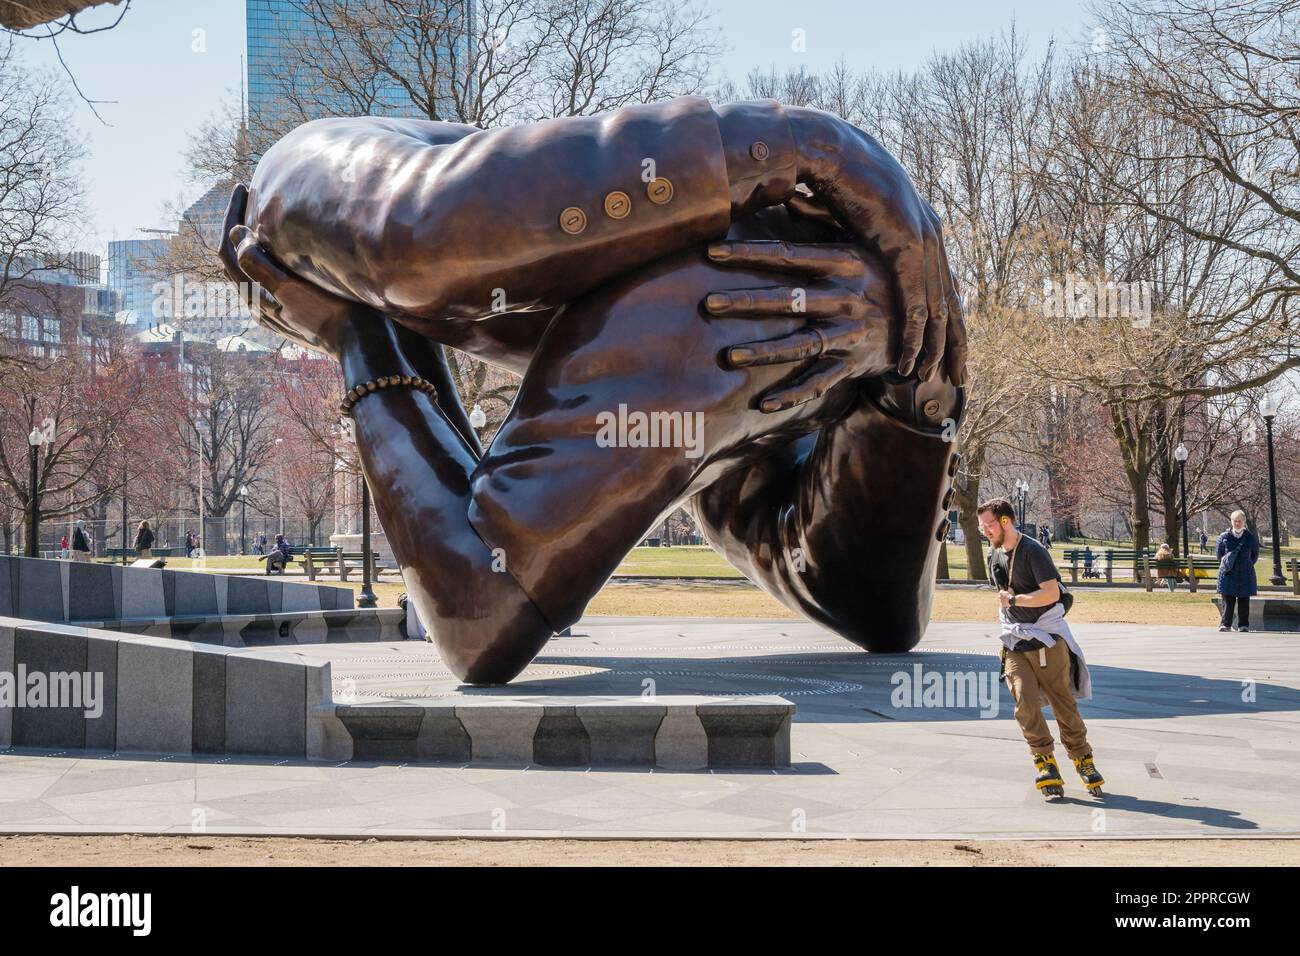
(1198, 734)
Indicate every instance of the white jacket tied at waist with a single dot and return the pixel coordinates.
(1047, 629)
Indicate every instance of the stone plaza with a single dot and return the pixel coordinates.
(1197, 733)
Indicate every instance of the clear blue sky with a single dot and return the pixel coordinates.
(164, 80)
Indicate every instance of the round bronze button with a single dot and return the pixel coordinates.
(759, 150)
(618, 205)
(659, 190)
(573, 220)
(931, 408)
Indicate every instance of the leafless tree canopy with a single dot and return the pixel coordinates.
(493, 62)
(40, 188)
(26, 14)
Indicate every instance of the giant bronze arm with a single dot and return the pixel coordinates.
(437, 223)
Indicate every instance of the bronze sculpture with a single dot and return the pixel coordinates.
(658, 259)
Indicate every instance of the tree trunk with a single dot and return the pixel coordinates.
(965, 495)
(1140, 514)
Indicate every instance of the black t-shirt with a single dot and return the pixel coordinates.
(1033, 567)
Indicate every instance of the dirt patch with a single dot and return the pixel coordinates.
(199, 850)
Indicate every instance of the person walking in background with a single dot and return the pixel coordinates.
(1205, 539)
(1237, 551)
(144, 541)
(1167, 567)
(80, 542)
(189, 544)
(63, 545)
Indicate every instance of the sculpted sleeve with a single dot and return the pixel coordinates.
(424, 220)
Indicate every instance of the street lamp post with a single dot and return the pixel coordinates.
(35, 440)
(279, 481)
(367, 596)
(243, 519)
(200, 426)
(1268, 406)
(1181, 454)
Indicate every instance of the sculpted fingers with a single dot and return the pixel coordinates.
(255, 262)
(956, 341)
(817, 259)
(807, 386)
(774, 301)
(794, 347)
(937, 302)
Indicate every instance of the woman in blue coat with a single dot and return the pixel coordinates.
(1237, 551)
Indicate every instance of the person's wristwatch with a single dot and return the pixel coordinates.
(1011, 601)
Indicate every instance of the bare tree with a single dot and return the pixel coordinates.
(492, 62)
(40, 189)
(102, 412)
(1137, 312)
(1226, 78)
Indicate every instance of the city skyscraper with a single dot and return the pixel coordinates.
(134, 266)
(277, 31)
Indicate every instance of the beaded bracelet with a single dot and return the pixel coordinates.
(385, 381)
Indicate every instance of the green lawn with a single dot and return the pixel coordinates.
(688, 561)
(676, 562)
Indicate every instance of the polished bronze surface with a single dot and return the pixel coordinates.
(786, 364)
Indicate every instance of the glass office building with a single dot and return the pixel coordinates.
(277, 29)
(134, 267)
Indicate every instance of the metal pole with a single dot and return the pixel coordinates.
(33, 537)
(367, 596)
(202, 550)
(124, 544)
(243, 524)
(1272, 500)
(1182, 491)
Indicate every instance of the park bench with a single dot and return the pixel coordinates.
(1145, 569)
(1104, 559)
(1103, 562)
(1203, 566)
(313, 560)
(1293, 567)
(309, 558)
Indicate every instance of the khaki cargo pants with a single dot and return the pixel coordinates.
(1029, 682)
